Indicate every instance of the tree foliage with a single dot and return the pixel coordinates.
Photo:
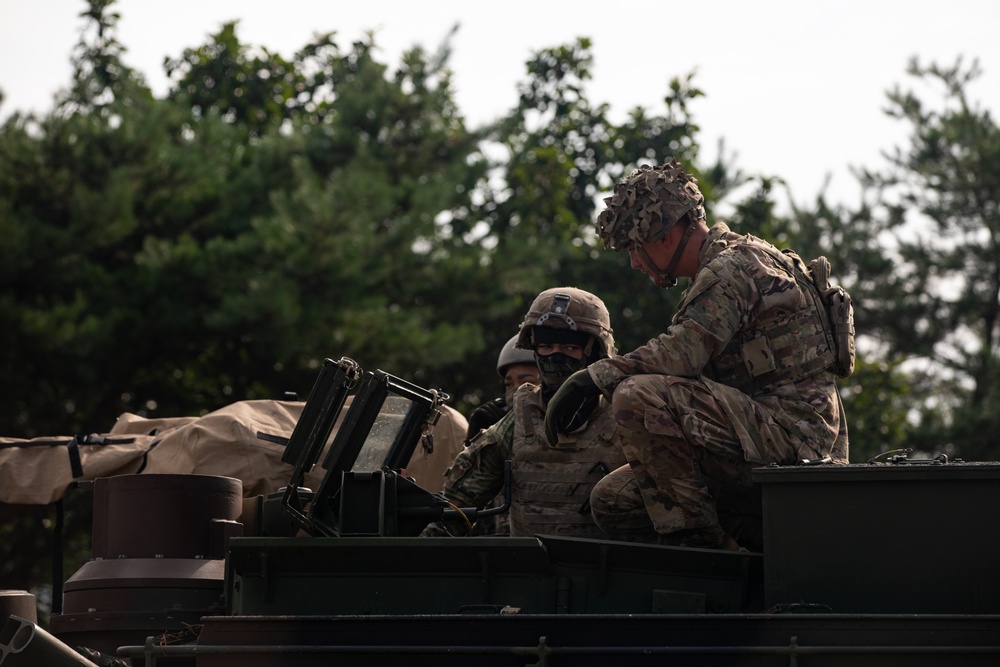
(922, 255)
(170, 256)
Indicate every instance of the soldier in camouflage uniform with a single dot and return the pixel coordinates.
(568, 329)
(742, 377)
(515, 367)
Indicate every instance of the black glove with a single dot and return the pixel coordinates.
(484, 416)
(570, 407)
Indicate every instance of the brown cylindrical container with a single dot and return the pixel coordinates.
(161, 516)
(159, 543)
(18, 603)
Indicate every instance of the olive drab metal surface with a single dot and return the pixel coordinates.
(915, 536)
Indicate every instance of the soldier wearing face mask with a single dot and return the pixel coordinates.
(567, 328)
(515, 366)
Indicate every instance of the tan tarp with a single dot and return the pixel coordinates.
(225, 442)
(38, 472)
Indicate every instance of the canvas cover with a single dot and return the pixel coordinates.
(243, 440)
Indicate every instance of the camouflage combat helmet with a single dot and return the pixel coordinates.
(510, 355)
(573, 309)
(647, 204)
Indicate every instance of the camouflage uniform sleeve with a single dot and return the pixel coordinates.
(715, 307)
(476, 475)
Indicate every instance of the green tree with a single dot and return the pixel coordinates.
(558, 153)
(66, 209)
(921, 257)
(257, 91)
(363, 236)
(169, 258)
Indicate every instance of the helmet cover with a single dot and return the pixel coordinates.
(643, 207)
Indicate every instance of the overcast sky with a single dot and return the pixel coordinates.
(795, 87)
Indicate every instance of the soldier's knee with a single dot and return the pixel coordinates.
(616, 502)
(614, 488)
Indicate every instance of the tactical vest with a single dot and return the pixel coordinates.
(782, 342)
(551, 485)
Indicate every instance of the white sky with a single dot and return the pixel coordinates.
(795, 87)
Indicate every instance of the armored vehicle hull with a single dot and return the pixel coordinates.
(889, 563)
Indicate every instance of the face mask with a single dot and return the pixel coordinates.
(508, 395)
(555, 368)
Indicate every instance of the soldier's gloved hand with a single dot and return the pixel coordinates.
(570, 407)
(484, 416)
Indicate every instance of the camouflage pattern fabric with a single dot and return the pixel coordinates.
(644, 207)
(619, 509)
(674, 419)
(687, 469)
(482, 418)
(551, 485)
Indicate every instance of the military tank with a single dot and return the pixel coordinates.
(886, 563)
